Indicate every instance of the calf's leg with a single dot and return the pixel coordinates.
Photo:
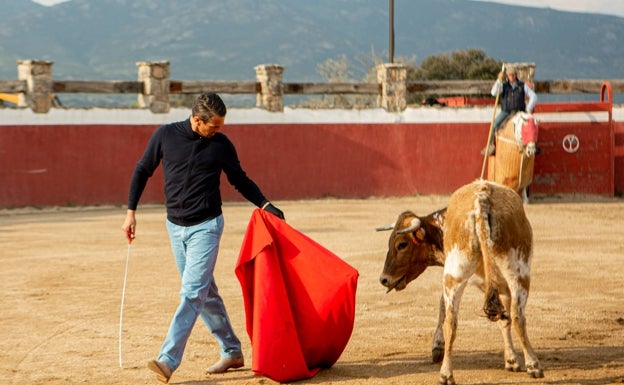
(437, 350)
(512, 363)
(458, 268)
(517, 273)
(518, 319)
(453, 290)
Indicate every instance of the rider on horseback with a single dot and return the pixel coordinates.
(513, 94)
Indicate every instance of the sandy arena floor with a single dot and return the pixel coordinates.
(62, 276)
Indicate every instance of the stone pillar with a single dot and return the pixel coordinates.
(525, 72)
(392, 78)
(271, 87)
(38, 76)
(155, 78)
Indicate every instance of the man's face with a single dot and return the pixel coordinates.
(511, 77)
(209, 128)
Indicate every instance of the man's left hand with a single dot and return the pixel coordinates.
(273, 210)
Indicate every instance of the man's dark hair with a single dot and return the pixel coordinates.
(208, 105)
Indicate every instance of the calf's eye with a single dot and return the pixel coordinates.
(401, 245)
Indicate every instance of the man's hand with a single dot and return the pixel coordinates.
(273, 210)
(501, 76)
(129, 225)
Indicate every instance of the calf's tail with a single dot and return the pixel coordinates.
(493, 307)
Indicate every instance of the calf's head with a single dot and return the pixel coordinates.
(415, 243)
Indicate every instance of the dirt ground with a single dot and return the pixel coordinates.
(62, 273)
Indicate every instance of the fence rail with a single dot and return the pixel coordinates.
(591, 86)
(332, 88)
(223, 87)
(438, 87)
(36, 86)
(97, 87)
(13, 86)
(483, 87)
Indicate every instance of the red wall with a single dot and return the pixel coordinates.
(359, 160)
(88, 165)
(619, 158)
(69, 165)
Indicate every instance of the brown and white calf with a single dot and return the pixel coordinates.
(483, 232)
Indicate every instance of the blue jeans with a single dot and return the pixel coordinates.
(502, 115)
(195, 250)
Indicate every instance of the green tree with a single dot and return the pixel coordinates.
(470, 64)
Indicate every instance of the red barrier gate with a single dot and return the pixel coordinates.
(577, 155)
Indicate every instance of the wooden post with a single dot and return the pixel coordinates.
(155, 78)
(392, 78)
(272, 87)
(38, 76)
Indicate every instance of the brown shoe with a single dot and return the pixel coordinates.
(163, 373)
(489, 150)
(226, 363)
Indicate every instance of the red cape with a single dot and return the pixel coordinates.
(299, 300)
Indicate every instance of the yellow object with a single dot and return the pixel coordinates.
(11, 98)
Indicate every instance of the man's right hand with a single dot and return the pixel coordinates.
(129, 225)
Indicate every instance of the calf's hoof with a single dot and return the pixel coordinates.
(512, 365)
(444, 380)
(437, 355)
(535, 371)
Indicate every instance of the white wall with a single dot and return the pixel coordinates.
(11, 116)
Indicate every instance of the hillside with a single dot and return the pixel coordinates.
(216, 40)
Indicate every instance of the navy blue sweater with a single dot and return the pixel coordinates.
(192, 168)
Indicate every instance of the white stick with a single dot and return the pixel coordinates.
(123, 295)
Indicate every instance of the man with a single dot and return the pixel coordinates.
(193, 154)
(513, 94)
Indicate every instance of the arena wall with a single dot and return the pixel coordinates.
(86, 157)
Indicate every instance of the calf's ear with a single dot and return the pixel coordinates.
(418, 236)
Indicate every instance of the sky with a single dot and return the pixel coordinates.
(606, 7)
